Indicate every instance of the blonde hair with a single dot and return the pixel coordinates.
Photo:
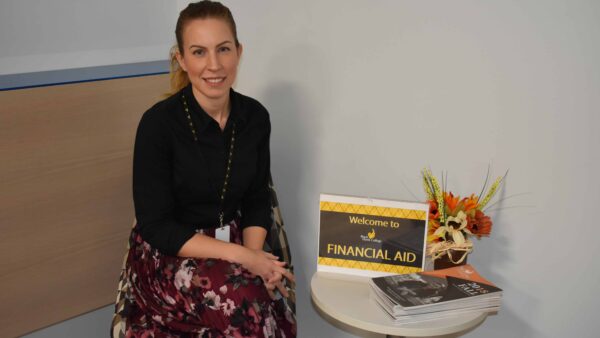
(179, 77)
(198, 10)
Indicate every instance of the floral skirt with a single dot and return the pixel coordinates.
(189, 297)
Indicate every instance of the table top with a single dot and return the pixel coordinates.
(348, 301)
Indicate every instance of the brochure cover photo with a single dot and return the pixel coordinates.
(371, 237)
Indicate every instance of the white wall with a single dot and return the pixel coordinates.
(363, 94)
(38, 35)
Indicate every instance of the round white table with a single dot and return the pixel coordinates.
(348, 301)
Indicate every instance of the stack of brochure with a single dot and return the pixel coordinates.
(429, 295)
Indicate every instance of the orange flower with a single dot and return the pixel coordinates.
(480, 225)
(451, 202)
(433, 225)
(434, 213)
(470, 202)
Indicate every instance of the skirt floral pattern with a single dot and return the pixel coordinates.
(208, 298)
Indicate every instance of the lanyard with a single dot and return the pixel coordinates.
(223, 191)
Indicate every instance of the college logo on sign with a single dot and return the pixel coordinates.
(370, 237)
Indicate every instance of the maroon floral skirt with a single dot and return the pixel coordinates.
(189, 297)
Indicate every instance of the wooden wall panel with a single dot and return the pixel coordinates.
(65, 196)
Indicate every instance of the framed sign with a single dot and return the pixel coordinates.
(371, 237)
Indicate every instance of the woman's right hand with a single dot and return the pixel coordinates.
(268, 267)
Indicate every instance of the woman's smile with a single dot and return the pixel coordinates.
(214, 81)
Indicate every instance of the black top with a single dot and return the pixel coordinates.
(176, 181)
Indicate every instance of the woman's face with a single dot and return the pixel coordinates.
(210, 58)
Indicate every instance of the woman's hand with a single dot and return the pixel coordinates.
(267, 267)
(277, 282)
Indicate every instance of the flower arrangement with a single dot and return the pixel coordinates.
(453, 220)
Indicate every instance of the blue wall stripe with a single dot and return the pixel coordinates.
(77, 75)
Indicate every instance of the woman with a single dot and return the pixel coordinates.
(201, 159)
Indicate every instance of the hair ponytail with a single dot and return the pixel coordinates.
(179, 78)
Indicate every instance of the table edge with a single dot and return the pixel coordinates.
(393, 329)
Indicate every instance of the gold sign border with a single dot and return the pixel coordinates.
(373, 210)
(380, 267)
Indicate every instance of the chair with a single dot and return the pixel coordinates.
(276, 243)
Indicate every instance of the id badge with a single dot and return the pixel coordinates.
(222, 233)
